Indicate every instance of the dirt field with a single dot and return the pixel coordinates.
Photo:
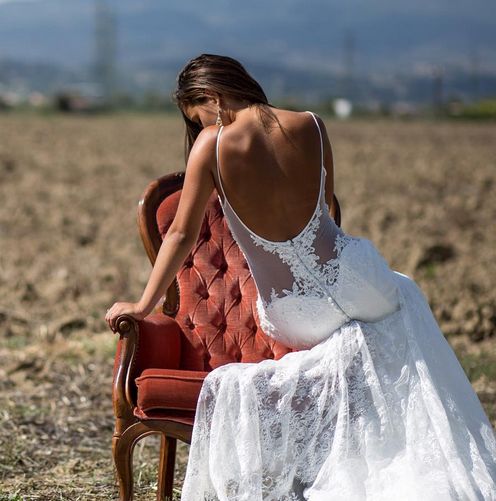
(425, 193)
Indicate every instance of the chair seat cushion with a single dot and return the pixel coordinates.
(168, 389)
(182, 417)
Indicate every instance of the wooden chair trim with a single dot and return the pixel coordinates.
(123, 404)
(152, 197)
(123, 447)
(335, 210)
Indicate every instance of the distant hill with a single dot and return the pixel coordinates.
(288, 44)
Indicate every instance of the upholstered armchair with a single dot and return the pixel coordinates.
(208, 319)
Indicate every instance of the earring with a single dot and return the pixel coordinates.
(219, 118)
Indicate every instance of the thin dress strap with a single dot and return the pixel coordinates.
(320, 135)
(217, 161)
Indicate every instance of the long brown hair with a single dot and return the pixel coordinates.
(221, 74)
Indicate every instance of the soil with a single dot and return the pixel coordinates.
(423, 192)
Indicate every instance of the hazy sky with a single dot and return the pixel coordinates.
(380, 35)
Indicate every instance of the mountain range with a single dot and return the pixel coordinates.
(373, 43)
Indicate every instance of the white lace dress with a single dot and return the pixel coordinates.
(374, 406)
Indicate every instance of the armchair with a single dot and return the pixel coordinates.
(208, 319)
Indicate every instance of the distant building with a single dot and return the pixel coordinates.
(37, 99)
(80, 97)
(342, 107)
(404, 109)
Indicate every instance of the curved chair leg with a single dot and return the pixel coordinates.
(166, 468)
(122, 450)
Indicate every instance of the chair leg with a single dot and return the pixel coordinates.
(122, 450)
(166, 468)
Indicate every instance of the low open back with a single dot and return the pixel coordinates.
(295, 274)
(320, 196)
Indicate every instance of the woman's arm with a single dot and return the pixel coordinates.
(183, 232)
(185, 228)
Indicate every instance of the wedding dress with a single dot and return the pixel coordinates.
(374, 406)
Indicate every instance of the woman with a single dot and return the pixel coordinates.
(375, 404)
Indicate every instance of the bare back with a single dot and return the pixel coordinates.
(272, 180)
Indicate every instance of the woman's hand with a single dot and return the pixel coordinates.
(132, 309)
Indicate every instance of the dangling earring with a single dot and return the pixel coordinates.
(219, 118)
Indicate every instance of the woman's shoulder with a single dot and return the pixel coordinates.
(206, 137)
(302, 121)
(294, 117)
(267, 119)
(205, 143)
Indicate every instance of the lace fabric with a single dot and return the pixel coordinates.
(378, 411)
(374, 406)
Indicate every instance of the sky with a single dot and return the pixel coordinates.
(384, 35)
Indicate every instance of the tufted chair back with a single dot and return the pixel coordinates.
(216, 295)
(213, 296)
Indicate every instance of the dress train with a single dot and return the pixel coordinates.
(378, 411)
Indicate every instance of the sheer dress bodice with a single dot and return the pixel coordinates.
(313, 283)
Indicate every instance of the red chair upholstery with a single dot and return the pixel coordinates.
(208, 319)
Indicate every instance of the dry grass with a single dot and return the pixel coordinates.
(423, 192)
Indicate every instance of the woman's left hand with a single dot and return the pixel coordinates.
(132, 309)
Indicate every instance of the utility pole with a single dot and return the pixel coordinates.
(474, 71)
(437, 89)
(347, 90)
(105, 50)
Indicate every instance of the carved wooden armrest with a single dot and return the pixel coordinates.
(154, 342)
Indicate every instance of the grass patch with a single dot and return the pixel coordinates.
(478, 365)
(10, 497)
